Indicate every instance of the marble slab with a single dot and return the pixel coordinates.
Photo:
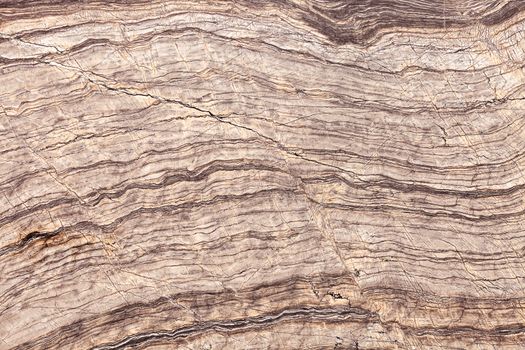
(288, 174)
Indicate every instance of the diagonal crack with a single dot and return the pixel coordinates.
(51, 170)
(104, 82)
(19, 39)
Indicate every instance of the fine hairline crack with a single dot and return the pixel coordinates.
(219, 118)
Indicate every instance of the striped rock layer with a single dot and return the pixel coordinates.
(304, 174)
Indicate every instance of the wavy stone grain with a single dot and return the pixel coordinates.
(251, 174)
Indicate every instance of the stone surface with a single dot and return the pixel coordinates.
(299, 174)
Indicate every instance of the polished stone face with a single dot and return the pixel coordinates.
(292, 174)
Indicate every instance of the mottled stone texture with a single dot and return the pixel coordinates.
(289, 174)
